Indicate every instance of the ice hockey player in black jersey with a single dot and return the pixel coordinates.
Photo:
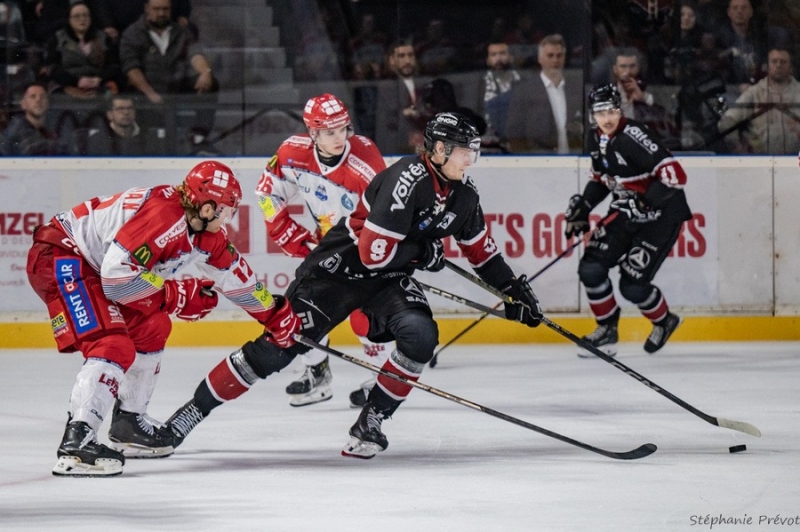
(366, 261)
(646, 184)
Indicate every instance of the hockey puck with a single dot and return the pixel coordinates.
(737, 448)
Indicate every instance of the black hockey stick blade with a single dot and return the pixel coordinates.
(740, 426)
(640, 452)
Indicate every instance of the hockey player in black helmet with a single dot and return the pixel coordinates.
(646, 184)
(366, 261)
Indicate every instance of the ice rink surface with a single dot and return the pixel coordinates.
(259, 464)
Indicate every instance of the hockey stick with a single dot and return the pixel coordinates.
(609, 217)
(741, 426)
(639, 452)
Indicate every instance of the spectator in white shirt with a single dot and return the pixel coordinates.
(545, 112)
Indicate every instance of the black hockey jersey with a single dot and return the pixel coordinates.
(402, 207)
(632, 161)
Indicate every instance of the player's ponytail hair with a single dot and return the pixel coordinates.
(186, 202)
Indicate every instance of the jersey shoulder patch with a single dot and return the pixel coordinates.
(406, 178)
(641, 137)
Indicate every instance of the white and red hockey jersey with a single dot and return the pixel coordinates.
(330, 193)
(138, 238)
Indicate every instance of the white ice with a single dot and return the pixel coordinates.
(259, 464)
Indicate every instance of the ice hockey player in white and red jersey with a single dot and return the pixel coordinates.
(329, 169)
(107, 270)
(367, 261)
(646, 183)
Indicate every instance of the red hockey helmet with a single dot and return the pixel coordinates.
(325, 112)
(213, 181)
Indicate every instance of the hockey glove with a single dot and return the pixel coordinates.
(577, 215)
(189, 299)
(635, 210)
(282, 323)
(432, 256)
(525, 308)
(293, 238)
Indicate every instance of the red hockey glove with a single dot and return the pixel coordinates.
(282, 323)
(292, 237)
(189, 299)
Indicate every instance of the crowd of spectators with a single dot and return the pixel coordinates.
(81, 56)
(690, 69)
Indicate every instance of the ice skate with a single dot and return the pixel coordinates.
(604, 338)
(81, 455)
(314, 386)
(366, 440)
(136, 435)
(358, 398)
(182, 422)
(661, 333)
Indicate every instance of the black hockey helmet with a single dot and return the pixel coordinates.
(604, 97)
(453, 129)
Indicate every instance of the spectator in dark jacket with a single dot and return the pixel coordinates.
(81, 58)
(159, 58)
(26, 133)
(122, 135)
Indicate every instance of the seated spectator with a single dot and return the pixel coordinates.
(161, 58)
(436, 52)
(367, 49)
(637, 103)
(765, 118)
(13, 50)
(114, 16)
(53, 15)
(26, 133)
(494, 91)
(545, 112)
(121, 134)
(80, 58)
(399, 121)
(745, 43)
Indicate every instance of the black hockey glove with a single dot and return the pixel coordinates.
(635, 210)
(577, 215)
(525, 308)
(432, 256)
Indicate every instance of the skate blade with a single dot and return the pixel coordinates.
(131, 450)
(316, 395)
(610, 350)
(71, 466)
(365, 450)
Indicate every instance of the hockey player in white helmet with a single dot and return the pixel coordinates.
(109, 271)
(328, 169)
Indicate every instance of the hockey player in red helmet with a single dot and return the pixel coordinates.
(327, 170)
(109, 271)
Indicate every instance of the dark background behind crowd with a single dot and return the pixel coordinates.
(706, 75)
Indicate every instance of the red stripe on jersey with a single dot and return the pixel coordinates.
(224, 383)
(670, 173)
(394, 388)
(480, 250)
(375, 250)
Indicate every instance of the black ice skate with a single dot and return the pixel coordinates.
(81, 455)
(604, 338)
(181, 423)
(358, 398)
(366, 440)
(314, 386)
(136, 436)
(661, 333)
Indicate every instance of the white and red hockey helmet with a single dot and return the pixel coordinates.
(213, 181)
(325, 112)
